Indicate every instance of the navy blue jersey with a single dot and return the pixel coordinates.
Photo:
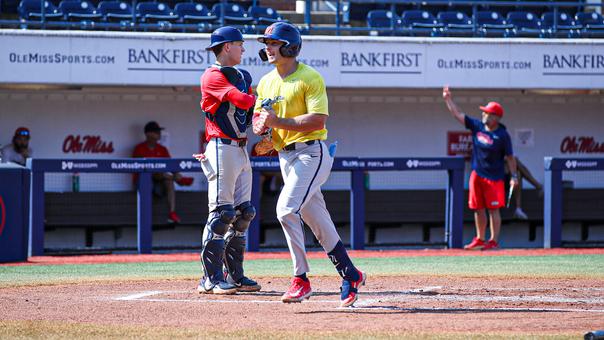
(489, 149)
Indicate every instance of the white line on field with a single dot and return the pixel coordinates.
(514, 309)
(138, 296)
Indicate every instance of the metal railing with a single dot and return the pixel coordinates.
(308, 27)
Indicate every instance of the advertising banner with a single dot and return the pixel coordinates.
(172, 59)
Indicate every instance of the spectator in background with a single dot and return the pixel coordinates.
(18, 151)
(163, 183)
(491, 148)
(523, 173)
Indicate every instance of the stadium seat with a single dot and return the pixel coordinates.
(264, 15)
(195, 13)
(115, 11)
(421, 23)
(526, 24)
(385, 22)
(156, 13)
(82, 10)
(233, 14)
(31, 10)
(593, 24)
(565, 25)
(456, 23)
(492, 24)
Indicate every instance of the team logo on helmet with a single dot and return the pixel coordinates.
(269, 30)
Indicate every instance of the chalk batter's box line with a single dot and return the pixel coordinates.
(362, 304)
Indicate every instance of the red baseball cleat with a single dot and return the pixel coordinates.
(476, 244)
(298, 291)
(173, 218)
(491, 244)
(350, 290)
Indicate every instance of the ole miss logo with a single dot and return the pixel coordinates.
(484, 138)
(2, 215)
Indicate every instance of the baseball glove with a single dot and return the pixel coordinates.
(264, 146)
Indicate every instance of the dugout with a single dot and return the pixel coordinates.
(385, 101)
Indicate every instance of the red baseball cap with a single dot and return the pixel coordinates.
(22, 131)
(493, 108)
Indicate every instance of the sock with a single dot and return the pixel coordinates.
(303, 277)
(339, 258)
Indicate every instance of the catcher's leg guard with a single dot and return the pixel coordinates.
(212, 253)
(235, 241)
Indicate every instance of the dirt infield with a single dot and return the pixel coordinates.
(396, 305)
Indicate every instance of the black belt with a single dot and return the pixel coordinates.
(240, 143)
(292, 146)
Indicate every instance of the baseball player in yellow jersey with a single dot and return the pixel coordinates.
(298, 131)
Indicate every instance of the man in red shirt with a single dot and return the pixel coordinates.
(163, 182)
(227, 102)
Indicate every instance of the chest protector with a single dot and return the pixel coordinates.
(231, 120)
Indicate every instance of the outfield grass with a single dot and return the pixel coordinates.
(555, 266)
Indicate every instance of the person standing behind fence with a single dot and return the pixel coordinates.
(492, 146)
(298, 131)
(226, 102)
(18, 150)
(163, 182)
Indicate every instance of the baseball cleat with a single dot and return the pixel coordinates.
(476, 244)
(298, 291)
(491, 244)
(173, 218)
(244, 285)
(220, 288)
(350, 290)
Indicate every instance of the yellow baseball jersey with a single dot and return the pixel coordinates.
(303, 92)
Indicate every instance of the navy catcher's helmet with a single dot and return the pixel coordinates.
(223, 35)
(287, 33)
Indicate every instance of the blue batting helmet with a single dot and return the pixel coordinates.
(286, 33)
(223, 35)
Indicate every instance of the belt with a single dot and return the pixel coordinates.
(240, 143)
(294, 146)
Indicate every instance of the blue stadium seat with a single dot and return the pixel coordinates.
(264, 15)
(194, 13)
(32, 10)
(593, 24)
(115, 11)
(456, 23)
(526, 24)
(385, 22)
(565, 25)
(233, 14)
(156, 13)
(421, 23)
(81, 10)
(492, 24)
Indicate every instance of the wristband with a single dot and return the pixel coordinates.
(514, 176)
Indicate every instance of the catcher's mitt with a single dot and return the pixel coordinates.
(264, 146)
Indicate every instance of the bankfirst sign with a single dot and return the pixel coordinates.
(172, 59)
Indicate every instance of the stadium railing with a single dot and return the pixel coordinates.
(145, 167)
(545, 27)
(553, 189)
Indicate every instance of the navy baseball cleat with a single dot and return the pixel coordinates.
(221, 287)
(244, 285)
(350, 289)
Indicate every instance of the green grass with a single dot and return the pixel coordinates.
(562, 266)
